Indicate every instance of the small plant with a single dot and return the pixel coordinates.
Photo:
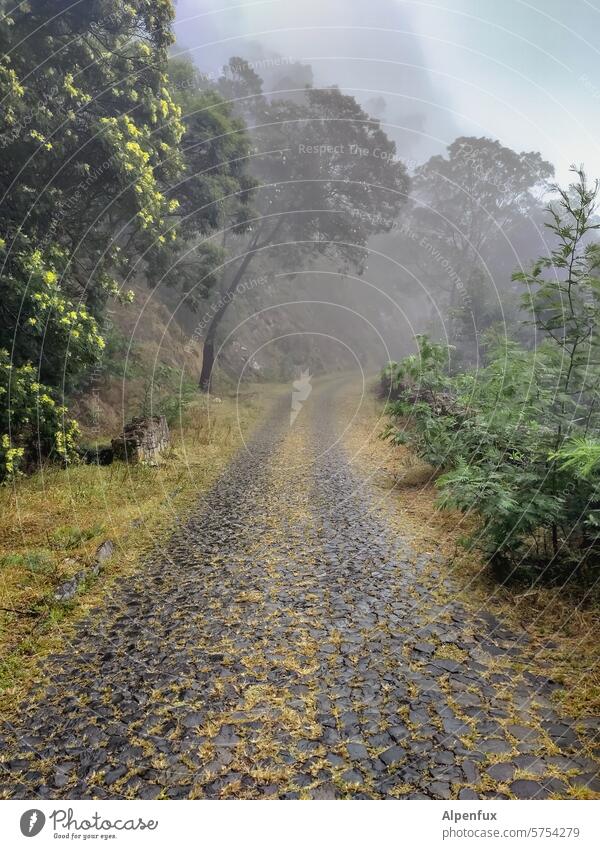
(71, 536)
(32, 561)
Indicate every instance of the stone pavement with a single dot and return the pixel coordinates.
(287, 644)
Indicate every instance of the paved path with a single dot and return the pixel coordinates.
(289, 646)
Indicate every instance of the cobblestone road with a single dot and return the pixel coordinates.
(291, 646)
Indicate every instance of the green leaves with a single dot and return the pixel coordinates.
(32, 422)
(513, 437)
(97, 184)
(580, 455)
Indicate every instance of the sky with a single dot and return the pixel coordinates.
(526, 73)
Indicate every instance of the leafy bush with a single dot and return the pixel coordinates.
(514, 440)
(32, 423)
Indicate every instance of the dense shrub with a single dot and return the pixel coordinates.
(516, 441)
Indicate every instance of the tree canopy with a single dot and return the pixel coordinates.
(328, 179)
(93, 177)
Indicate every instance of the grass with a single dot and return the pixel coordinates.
(54, 520)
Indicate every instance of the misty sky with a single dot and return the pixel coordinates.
(526, 73)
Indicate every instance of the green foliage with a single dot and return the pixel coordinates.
(215, 191)
(90, 140)
(317, 194)
(72, 536)
(32, 424)
(100, 178)
(425, 368)
(514, 439)
(39, 561)
(166, 394)
(469, 209)
(580, 455)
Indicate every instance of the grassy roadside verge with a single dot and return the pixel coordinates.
(54, 520)
(563, 623)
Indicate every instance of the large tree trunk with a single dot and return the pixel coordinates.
(208, 350)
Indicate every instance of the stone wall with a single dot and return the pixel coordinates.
(142, 441)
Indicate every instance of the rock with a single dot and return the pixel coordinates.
(104, 551)
(455, 726)
(67, 591)
(588, 779)
(495, 746)
(352, 776)
(148, 791)
(143, 440)
(556, 786)
(424, 648)
(501, 772)
(470, 772)
(399, 732)
(563, 735)
(193, 720)
(349, 720)
(324, 791)
(521, 732)
(114, 775)
(446, 663)
(467, 793)
(393, 755)
(524, 788)
(302, 780)
(61, 775)
(530, 763)
(269, 789)
(439, 790)
(357, 751)
(226, 737)
(380, 740)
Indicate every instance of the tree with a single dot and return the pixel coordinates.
(94, 186)
(565, 307)
(467, 208)
(328, 181)
(215, 191)
(90, 141)
(480, 189)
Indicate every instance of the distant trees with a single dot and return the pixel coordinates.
(467, 207)
(328, 180)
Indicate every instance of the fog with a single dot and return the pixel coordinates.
(370, 50)
(387, 55)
